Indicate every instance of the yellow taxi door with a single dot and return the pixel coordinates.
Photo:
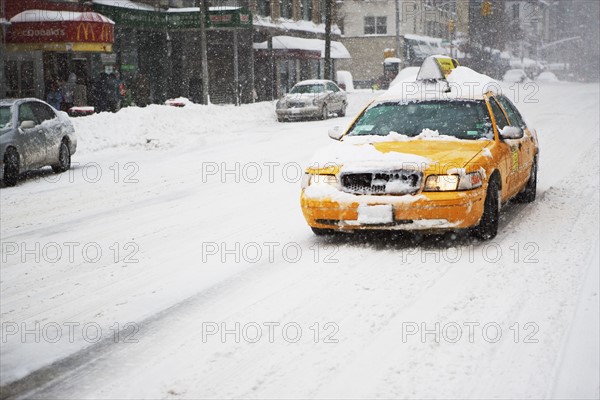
(509, 164)
(527, 144)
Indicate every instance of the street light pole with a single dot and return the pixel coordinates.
(397, 27)
(203, 53)
(328, 72)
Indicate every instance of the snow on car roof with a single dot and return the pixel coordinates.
(10, 101)
(461, 83)
(313, 82)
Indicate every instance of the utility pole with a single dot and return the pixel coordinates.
(203, 52)
(328, 71)
(397, 27)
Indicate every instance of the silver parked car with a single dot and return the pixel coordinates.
(312, 99)
(33, 135)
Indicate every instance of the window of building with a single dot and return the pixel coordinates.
(375, 25)
(306, 9)
(515, 10)
(286, 8)
(264, 8)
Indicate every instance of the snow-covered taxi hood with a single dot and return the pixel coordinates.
(439, 155)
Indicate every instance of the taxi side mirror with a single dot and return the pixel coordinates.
(336, 133)
(511, 132)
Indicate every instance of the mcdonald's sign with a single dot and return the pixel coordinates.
(106, 35)
(92, 32)
(99, 30)
(88, 32)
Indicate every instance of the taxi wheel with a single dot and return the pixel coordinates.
(64, 159)
(324, 112)
(527, 195)
(11, 167)
(323, 232)
(488, 225)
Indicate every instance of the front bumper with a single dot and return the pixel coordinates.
(426, 211)
(299, 112)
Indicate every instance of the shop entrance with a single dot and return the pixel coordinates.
(20, 78)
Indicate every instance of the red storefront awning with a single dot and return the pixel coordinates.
(48, 30)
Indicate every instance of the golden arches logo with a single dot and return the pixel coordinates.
(106, 34)
(87, 29)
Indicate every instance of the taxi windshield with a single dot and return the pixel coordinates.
(5, 116)
(461, 119)
(301, 89)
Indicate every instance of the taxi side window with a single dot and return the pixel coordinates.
(513, 114)
(26, 113)
(332, 87)
(501, 121)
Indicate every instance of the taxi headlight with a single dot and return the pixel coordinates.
(445, 183)
(441, 183)
(315, 179)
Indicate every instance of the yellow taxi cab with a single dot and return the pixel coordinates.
(441, 153)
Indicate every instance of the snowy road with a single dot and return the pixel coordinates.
(174, 262)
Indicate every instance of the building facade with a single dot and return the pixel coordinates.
(369, 32)
(156, 48)
(45, 41)
(289, 42)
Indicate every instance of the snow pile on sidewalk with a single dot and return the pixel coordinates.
(162, 126)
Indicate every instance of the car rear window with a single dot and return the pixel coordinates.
(316, 88)
(461, 119)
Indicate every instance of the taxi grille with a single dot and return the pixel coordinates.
(397, 182)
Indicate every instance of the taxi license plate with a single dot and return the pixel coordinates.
(375, 215)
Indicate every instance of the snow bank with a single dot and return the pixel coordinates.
(345, 78)
(162, 126)
(179, 102)
(547, 76)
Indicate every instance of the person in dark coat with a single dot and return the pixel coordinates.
(112, 92)
(54, 96)
(100, 93)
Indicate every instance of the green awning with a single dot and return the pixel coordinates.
(173, 18)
